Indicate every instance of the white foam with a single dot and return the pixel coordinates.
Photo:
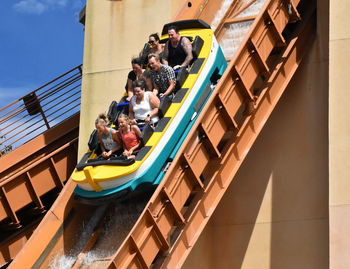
(220, 14)
(63, 261)
(235, 32)
(253, 9)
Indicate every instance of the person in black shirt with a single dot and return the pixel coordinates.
(178, 49)
(134, 74)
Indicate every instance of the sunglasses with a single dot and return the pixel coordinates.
(151, 42)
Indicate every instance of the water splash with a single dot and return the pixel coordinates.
(62, 261)
(233, 37)
(119, 222)
(220, 13)
(253, 9)
(235, 32)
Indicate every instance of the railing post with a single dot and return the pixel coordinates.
(33, 106)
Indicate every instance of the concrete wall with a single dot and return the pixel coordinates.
(115, 31)
(339, 132)
(275, 213)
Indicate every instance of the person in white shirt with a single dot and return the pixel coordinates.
(143, 107)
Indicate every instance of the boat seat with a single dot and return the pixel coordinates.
(116, 109)
(197, 45)
(113, 112)
(93, 140)
(180, 79)
(146, 134)
(163, 107)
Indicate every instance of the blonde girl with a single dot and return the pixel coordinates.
(109, 139)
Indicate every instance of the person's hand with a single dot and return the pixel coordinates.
(127, 153)
(128, 98)
(106, 154)
(148, 118)
(161, 95)
(133, 122)
(176, 67)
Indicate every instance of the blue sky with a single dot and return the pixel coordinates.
(39, 40)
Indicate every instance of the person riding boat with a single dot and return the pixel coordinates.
(110, 142)
(130, 135)
(143, 106)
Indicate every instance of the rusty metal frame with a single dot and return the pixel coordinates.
(27, 175)
(16, 171)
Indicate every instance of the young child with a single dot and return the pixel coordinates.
(109, 138)
(130, 135)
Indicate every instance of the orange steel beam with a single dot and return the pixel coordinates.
(199, 9)
(10, 247)
(27, 175)
(218, 143)
(191, 10)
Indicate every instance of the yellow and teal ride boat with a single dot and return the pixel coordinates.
(193, 87)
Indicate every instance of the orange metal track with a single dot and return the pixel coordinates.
(209, 158)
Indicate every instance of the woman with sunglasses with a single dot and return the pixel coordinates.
(152, 46)
(156, 47)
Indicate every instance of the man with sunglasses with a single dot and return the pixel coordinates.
(177, 50)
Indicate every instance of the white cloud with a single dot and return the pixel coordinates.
(30, 6)
(40, 6)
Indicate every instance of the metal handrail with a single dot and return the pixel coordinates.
(40, 110)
